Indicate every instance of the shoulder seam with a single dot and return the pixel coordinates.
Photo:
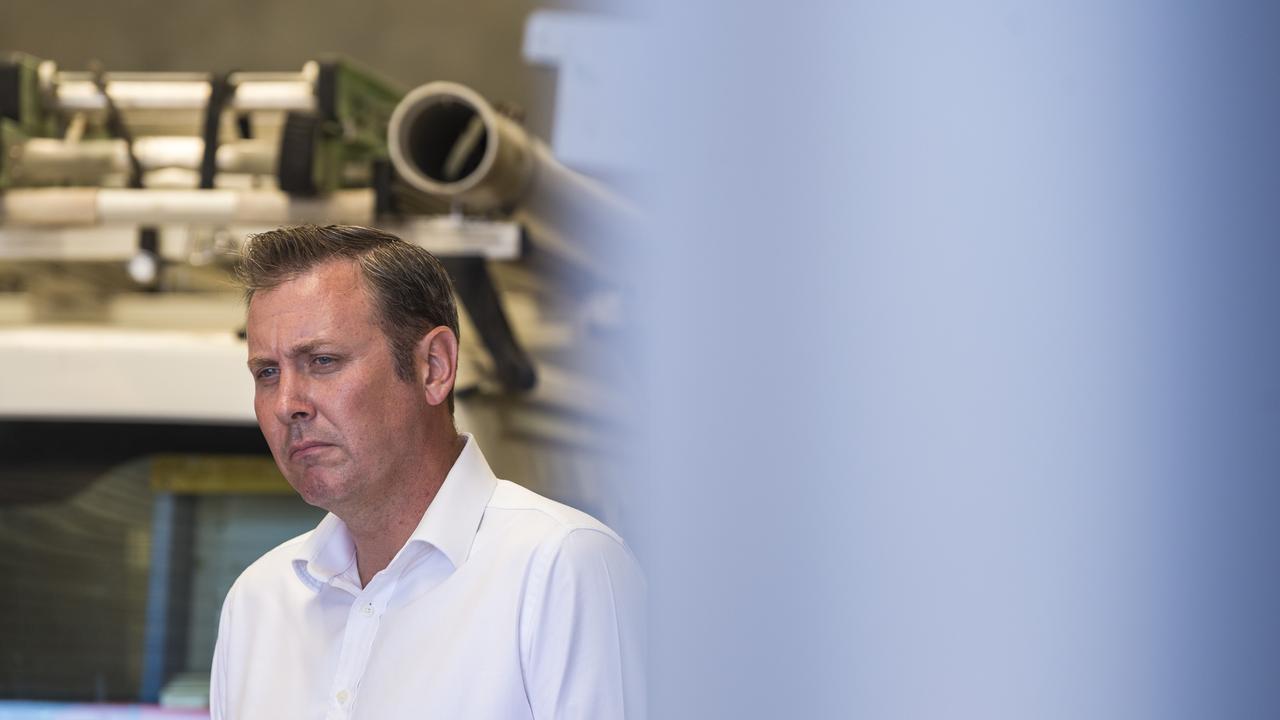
(564, 519)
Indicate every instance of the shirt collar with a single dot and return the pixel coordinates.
(328, 553)
(449, 524)
(452, 518)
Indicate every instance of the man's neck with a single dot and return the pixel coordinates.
(380, 531)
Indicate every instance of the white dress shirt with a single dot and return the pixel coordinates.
(502, 604)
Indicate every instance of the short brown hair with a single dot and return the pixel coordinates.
(409, 287)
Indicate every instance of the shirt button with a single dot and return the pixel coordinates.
(342, 697)
(367, 610)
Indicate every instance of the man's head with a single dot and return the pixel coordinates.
(353, 346)
(410, 287)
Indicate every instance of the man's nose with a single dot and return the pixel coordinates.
(293, 402)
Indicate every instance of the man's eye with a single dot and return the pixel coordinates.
(324, 361)
(267, 373)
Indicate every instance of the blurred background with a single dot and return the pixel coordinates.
(936, 379)
(134, 484)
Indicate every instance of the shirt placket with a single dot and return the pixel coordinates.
(363, 620)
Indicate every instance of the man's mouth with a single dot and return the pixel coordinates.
(301, 450)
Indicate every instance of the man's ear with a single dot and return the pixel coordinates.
(437, 355)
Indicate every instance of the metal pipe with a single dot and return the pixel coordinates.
(79, 207)
(46, 160)
(76, 92)
(446, 140)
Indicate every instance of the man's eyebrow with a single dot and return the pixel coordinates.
(306, 348)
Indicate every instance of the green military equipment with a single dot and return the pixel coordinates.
(336, 145)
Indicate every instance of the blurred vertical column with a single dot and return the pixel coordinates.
(957, 328)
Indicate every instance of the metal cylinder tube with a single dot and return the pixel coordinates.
(80, 207)
(50, 161)
(446, 140)
(77, 92)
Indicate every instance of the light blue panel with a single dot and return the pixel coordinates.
(231, 532)
(959, 331)
(166, 590)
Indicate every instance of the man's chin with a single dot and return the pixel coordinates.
(320, 489)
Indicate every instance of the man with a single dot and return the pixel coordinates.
(432, 589)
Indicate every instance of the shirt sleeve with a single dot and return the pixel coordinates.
(583, 631)
(218, 674)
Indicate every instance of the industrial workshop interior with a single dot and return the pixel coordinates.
(141, 144)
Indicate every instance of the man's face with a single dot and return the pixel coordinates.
(341, 424)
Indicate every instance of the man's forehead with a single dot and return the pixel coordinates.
(339, 274)
(331, 294)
